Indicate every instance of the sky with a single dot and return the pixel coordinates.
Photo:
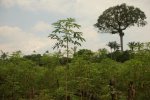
(26, 24)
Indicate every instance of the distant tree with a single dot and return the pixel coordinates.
(102, 52)
(118, 18)
(139, 46)
(4, 55)
(85, 54)
(34, 57)
(132, 45)
(113, 45)
(110, 45)
(47, 52)
(34, 51)
(74, 49)
(16, 54)
(123, 56)
(147, 45)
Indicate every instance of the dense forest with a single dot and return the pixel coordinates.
(81, 74)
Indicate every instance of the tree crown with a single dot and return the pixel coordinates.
(120, 17)
(66, 31)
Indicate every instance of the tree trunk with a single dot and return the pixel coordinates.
(81, 96)
(57, 83)
(32, 93)
(111, 53)
(132, 49)
(121, 40)
(3, 97)
(112, 90)
(131, 91)
(67, 97)
(66, 86)
(67, 53)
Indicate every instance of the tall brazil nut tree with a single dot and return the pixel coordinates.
(118, 18)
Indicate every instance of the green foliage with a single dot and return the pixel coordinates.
(132, 46)
(44, 95)
(84, 53)
(118, 18)
(49, 61)
(64, 33)
(122, 56)
(33, 57)
(23, 79)
(113, 45)
(4, 55)
(136, 71)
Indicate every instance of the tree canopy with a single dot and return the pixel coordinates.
(118, 18)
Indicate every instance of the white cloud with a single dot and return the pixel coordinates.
(7, 3)
(138, 34)
(61, 6)
(14, 38)
(41, 26)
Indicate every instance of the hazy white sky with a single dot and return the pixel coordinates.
(26, 24)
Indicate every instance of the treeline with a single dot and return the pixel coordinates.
(91, 76)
